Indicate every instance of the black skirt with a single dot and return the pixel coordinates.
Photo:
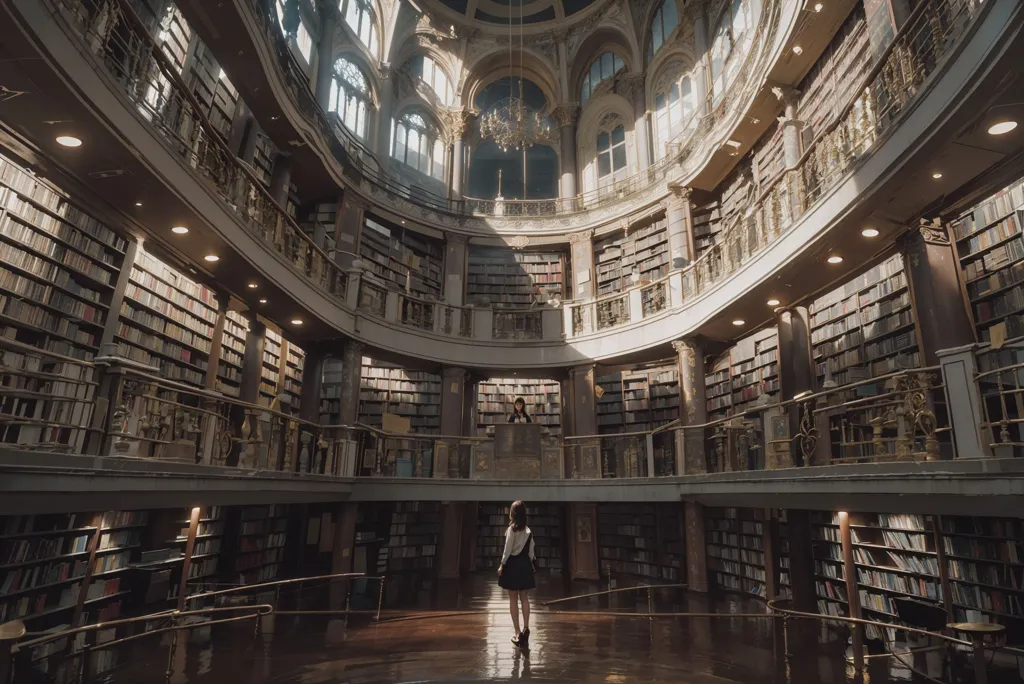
(518, 572)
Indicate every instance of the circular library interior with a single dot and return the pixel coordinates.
(299, 299)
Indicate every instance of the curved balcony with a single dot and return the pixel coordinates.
(916, 87)
(356, 168)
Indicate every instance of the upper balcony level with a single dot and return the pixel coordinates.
(924, 100)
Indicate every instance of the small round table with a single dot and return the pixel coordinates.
(977, 631)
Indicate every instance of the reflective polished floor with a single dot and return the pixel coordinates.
(460, 633)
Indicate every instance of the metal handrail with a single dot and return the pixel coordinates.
(278, 583)
(614, 591)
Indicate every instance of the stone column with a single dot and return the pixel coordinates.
(252, 361)
(566, 116)
(453, 400)
(797, 375)
(348, 228)
(679, 220)
(455, 264)
(792, 145)
(345, 516)
(635, 90)
(583, 558)
(328, 13)
(385, 113)
(702, 69)
(584, 401)
(450, 542)
(939, 304)
(351, 363)
(581, 248)
(281, 179)
(693, 406)
(312, 382)
(696, 554)
(456, 121)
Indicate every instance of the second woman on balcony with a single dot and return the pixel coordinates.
(519, 414)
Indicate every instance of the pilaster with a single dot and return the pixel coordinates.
(567, 116)
(635, 91)
(344, 531)
(584, 401)
(455, 262)
(348, 228)
(351, 365)
(696, 549)
(581, 249)
(453, 400)
(792, 144)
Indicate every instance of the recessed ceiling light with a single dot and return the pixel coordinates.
(1002, 127)
(296, 321)
(180, 230)
(733, 143)
(835, 260)
(68, 141)
(138, 204)
(797, 50)
(253, 286)
(212, 258)
(739, 321)
(936, 175)
(869, 232)
(773, 302)
(263, 301)
(818, 7)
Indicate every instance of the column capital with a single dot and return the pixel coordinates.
(456, 238)
(584, 369)
(385, 71)
(687, 345)
(581, 237)
(351, 200)
(454, 120)
(454, 372)
(328, 9)
(566, 115)
(679, 195)
(633, 84)
(786, 94)
(932, 232)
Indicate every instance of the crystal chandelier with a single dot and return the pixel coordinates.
(510, 123)
(513, 125)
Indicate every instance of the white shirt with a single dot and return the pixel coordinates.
(515, 541)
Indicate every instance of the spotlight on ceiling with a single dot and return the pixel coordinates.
(212, 258)
(739, 321)
(869, 232)
(773, 302)
(835, 260)
(69, 141)
(1002, 128)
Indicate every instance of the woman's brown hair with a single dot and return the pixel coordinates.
(517, 514)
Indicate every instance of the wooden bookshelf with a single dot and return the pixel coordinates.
(638, 399)
(735, 547)
(264, 155)
(212, 89)
(386, 388)
(829, 570)
(545, 522)
(866, 327)
(785, 589)
(744, 376)
(402, 258)
(543, 397)
(990, 250)
(270, 378)
(412, 542)
(330, 391)
(643, 250)
(257, 543)
(167, 321)
(508, 278)
(641, 540)
(707, 224)
(232, 353)
(294, 361)
(204, 564)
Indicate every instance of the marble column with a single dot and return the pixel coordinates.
(792, 145)
(693, 407)
(566, 116)
(453, 400)
(456, 121)
(348, 228)
(281, 179)
(679, 220)
(635, 89)
(328, 13)
(696, 549)
(581, 248)
(939, 304)
(351, 364)
(385, 114)
(455, 264)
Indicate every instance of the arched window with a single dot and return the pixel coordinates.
(426, 69)
(418, 144)
(731, 34)
(350, 96)
(611, 155)
(673, 106)
(605, 66)
(665, 20)
(359, 17)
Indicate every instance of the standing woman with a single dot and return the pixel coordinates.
(515, 573)
(519, 414)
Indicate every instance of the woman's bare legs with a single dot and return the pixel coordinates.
(513, 608)
(524, 598)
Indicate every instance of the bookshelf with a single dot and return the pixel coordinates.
(503, 277)
(258, 544)
(295, 360)
(735, 548)
(638, 399)
(403, 259)
(212, 89)
(331, 377)
(543, 397)
(991, 255)
(232, 353)
(866, 327)
(270, 377)
(707, 224)
(204, 565)
(985, 561)
(785, 589)
(320, 217)
(545, 522)
(386, 388)
(413, 537)
(643, 251)
(744, 376)
(641, 540)
(167, 321)
(829, 569)
(264, 154)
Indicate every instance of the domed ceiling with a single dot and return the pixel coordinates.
(500, 12)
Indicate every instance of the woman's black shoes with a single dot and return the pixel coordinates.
(523, 640)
